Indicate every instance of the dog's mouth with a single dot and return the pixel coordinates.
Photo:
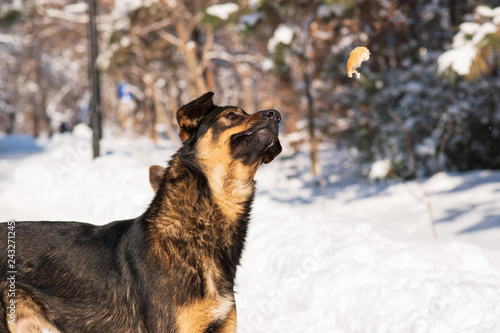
(269, 136)
(259, 143)
(261, 134)
(266, 128)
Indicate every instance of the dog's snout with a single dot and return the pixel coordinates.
(272, 114)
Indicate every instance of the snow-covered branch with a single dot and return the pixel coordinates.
(13, 40)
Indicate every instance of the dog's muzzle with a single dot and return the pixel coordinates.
(272, 114)
(274, 148)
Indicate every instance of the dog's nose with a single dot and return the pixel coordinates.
(272, 114)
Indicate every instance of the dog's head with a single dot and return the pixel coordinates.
(228, 133)
(228, 145)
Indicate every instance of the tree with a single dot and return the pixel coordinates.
(44, 67)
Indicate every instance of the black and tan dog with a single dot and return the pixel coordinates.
(171, 269)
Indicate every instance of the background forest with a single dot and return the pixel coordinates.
(428, 99)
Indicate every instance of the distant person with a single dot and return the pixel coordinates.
(126, 105)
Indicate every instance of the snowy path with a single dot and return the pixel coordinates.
(321, 272)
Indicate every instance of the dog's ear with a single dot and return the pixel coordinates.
(155, 175)
(189, 115)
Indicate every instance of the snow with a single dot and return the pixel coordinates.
(249, 20)
(466, 42)
(223, 11)
(380, 169)
(254, 4)
(123, 7)
(283, 34)
(76, 8)
(488, 12)
(469, 28)
(486, 29)
(459, 59)
(326, 10)
(357, 258)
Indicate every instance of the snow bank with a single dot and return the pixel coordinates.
(63, 183)
(350, 261)
(311, 271)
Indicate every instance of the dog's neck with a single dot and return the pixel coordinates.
(192, 208)
(231, 186)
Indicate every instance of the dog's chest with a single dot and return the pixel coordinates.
(223, 303)
(214, 308)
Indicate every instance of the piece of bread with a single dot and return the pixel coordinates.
(357, 56)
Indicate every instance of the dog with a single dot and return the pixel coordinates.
(172, 269)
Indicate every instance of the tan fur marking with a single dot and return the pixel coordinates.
(224, 307)
(197, 316)
(211, 276)
(229, 325)
(29, 318)
(230, 180)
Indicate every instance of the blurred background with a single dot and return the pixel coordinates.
(427, 101)
(372, 169)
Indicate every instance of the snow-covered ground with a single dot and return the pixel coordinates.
(351, 257)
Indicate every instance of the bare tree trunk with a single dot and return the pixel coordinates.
(149, 83)
(94, 80)
(43, 113)
(426, 196)
(40, 118)
(165, 116)
(311, 112)
(197, 83)
(11, 124)
(311, 127)
(44, 118)
(161, 114)
(304, 38)
(442, 146)
(154, 112)
(210, 77)
(245, 74)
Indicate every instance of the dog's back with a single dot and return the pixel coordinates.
(58, 265)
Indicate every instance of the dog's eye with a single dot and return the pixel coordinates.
(231, 115)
